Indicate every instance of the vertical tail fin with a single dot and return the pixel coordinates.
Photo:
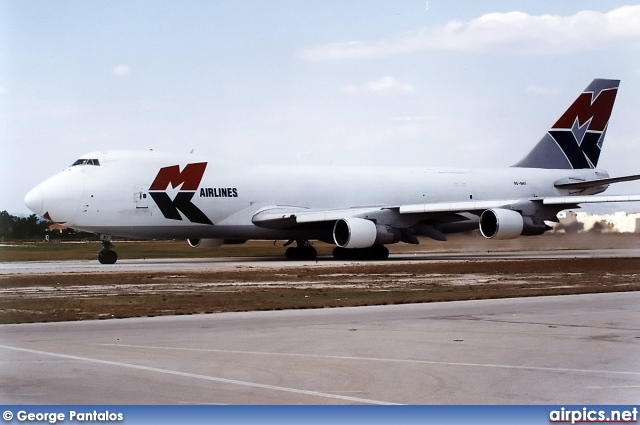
(575, 140)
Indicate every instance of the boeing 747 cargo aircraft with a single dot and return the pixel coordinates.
(151, 194)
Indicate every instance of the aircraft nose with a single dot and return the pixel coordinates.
(34, 200)
(57, 198)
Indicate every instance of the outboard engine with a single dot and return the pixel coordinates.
(499, 223)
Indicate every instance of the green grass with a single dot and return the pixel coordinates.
(151, 249)
(61, 251)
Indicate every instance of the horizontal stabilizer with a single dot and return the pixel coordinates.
(576, 184)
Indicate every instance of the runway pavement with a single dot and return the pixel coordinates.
(168, 264)
(574, 349)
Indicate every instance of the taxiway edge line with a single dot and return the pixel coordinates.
(198, 376)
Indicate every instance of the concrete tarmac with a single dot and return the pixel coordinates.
(193, 264)
(572, 349)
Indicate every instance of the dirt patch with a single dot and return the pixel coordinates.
(77, 296)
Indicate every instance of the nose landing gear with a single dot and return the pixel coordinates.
(106, 255)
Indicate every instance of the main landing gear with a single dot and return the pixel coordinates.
(302, 251)
(106, 255)
(373, 253)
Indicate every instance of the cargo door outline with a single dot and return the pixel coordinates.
(141, 197)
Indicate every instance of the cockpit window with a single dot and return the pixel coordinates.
(83, 161)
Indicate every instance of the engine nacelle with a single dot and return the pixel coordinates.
(534, 226)
(501, 224)
(507, 224)
(386, 234)
(205, 243)
(360, 233)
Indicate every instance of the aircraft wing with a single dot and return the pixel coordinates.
(467, 206)
(282, 217)
(573, 200)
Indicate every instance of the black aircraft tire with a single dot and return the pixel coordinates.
(340, 253)
(309, 252)
(379, 252)
(373, 253)
(301, 253)
(107, 256)
(292, 253)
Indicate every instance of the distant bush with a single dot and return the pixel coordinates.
(13, 227)
(33, 228)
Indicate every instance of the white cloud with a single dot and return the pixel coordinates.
(3, 90)
(121, 71)
(543, 91)
(511, 31)
(385, 86)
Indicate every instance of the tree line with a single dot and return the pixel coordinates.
(13, 227)
(32, 228)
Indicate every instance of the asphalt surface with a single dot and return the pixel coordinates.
(571, 349)
(168, 264)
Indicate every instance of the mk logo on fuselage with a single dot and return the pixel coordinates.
(190, 178)
(580, 130)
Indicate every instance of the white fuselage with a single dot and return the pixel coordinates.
(114, 197)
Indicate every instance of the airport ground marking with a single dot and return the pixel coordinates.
(613, 387)
(198, 376)
(379, 359)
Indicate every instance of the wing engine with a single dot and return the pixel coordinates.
(205, 243)
(355, 232)
(500, 223)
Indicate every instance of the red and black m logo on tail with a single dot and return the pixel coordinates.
(189, 178)
(581, 129)
(575, 140)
